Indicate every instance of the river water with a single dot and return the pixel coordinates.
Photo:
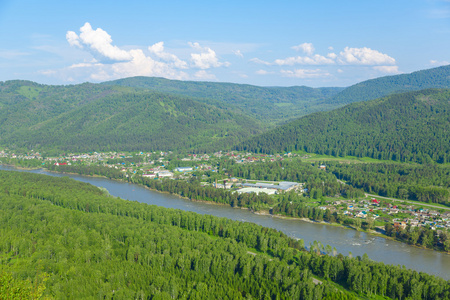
(345, 240)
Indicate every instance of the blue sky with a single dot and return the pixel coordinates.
(269, 43)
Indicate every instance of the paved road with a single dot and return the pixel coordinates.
(400, 200)
(412, 202)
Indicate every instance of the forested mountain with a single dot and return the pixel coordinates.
(88, 245)
(270, 104)
(383, 86)
(410, 126)
(90, 117)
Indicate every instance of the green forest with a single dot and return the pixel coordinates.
(425, 183)
(408, 127)
(320, 184)
(271, 105)
(384, 86)
(147, 114)
(71, 240)
(87, 116)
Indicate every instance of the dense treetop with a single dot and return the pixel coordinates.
(90, 117)
(403, 127)
(92, 245)
(383, 86)
(269, 104)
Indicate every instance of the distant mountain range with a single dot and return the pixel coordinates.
(272, 105)
(411, 126)
(90, 117)
(383, 86)
(143, 113)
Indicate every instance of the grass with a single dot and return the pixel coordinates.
(29, 92)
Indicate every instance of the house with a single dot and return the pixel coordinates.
(149, 175)
(165, 174)
(362, 214)
(226, 185)
(184, 169)
(400, 224)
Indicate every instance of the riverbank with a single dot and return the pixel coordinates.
(263, 212)
(355, 242)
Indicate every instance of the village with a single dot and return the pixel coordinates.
(158, 165)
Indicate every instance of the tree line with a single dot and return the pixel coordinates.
(426, 183)
(92, 244)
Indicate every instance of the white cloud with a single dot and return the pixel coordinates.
(349, 56)
(305, 60)
(364, 56)
(98, 42)
(304, 73)
(332, 55)
(113, 62)
(387, 69)
(238, 53)
(73, 39)
(158, 50)
(307, 48)
(206, 59)
(439, 63)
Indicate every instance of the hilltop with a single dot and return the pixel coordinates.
(409, 126)
(101, 117)
(272, 105)
(383, 86)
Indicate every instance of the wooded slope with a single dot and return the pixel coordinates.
(92, 245)
(271, 105)
(91, 117)
(383, 86)
(403, 127)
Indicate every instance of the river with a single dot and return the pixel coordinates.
(345, 240)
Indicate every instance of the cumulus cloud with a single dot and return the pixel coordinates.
(305, 73)
(206, 59)
(158, 50)
(364, 56)
(113, 62)
(99, 42)
(307, 48)
(332, 55)
(73, 39)
(387, 69)
(349, 56)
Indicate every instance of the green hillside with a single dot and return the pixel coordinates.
(383, 86)
(403, 127)
(71, 241)
(269, 104)
(91, 117)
